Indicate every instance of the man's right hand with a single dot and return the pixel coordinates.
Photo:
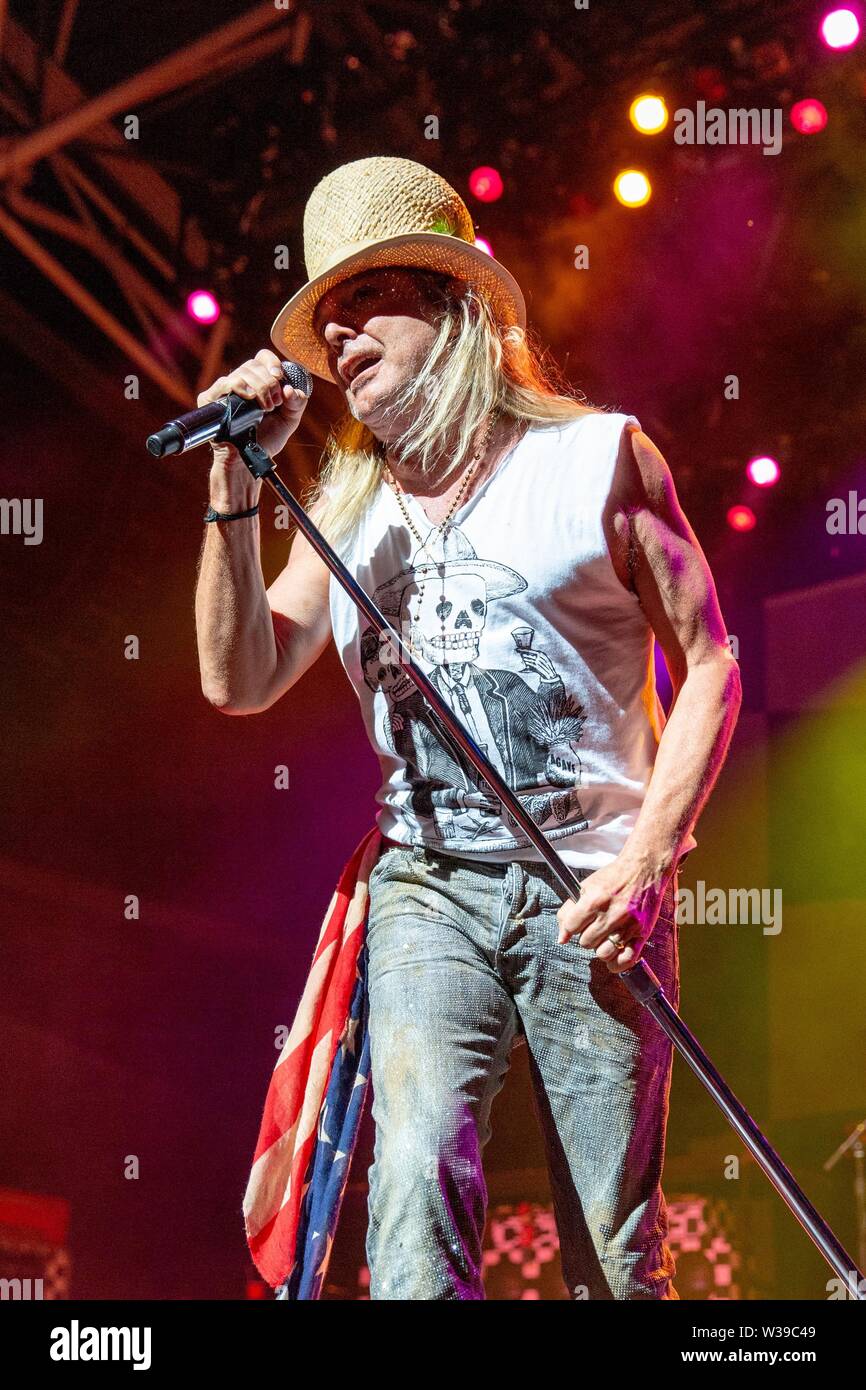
(260, 378)
(255, 642)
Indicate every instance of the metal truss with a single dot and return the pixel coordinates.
(126, 217)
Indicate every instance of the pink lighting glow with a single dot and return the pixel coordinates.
(840, 29)
(741, 518)
(202, 306)
(808, 116)
(763, 471)
(483, 245)
(485, 184)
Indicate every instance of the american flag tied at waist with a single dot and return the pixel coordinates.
(315, 1100)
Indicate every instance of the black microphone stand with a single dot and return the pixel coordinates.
(639, 980)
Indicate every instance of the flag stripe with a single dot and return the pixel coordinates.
(300, 1169)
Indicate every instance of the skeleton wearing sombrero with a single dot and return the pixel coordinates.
(500, 707)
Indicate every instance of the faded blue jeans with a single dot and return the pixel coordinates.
(463, 958)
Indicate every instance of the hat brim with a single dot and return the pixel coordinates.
(292, 331)
(501, 580)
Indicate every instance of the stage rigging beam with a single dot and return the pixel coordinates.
(232, 46)
(222, 45)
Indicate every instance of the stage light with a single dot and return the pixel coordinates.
(763, 471)
(808, 116)
(202, 306)
(710, 86)
(486, 184)
(648, 114)
(741, 518)
(632, 188)
(840, 29)
(483, 245)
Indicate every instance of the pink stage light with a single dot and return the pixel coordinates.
(485, 184)
(808, 116)
(840, 29)
(763, 471)
(741, 518)
(202, 306)
(483, 245)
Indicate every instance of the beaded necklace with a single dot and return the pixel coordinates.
(472, 467)
(434, 535)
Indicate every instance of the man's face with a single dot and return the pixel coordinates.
(378, 328)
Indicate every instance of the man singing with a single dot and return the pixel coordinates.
(529, 548)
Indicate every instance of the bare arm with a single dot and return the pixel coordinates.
(673, 582)
(676, 591)
(255, 643)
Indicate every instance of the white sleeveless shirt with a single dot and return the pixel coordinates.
(521, 622)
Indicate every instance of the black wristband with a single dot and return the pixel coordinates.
(211, 515)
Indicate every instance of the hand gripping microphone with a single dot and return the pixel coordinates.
(222, 419)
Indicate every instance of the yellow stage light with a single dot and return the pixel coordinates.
(648, 114)
(632, 188)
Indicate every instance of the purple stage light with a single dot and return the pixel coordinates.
(202, 306)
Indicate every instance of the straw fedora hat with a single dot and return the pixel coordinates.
(380, 212)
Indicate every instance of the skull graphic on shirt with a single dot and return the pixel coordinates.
(440, 607)
(446, 618)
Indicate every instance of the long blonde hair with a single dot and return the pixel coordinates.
(473, 367)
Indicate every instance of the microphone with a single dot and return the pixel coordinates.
(222, 419)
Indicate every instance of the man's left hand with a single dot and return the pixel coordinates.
(619, 901)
